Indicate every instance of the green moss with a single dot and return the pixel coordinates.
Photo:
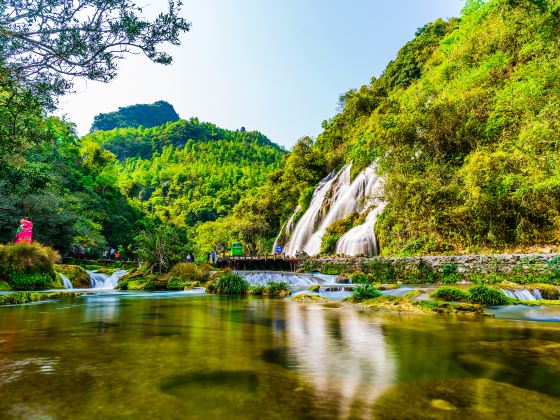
(106, 270)
(4, 285)
(314, 288)
(310, 298)
(362, 293)
(450, 294)
(31, 281)
(76, 274)
(484, 295)
(389, 303)
(28, 297)
(360, 278)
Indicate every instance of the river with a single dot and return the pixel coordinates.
(187, 355)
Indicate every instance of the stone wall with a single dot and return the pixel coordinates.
(465, 265)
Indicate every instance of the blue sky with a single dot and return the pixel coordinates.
(273, 66)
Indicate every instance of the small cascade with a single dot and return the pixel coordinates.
(66, 281)
(335, 198)
(361, 240)
(105, 281)
(523, 294)
(292, 279)
(286, 230)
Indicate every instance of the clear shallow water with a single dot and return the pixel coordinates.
(180, 355)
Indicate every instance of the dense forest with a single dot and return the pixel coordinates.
(463, 125)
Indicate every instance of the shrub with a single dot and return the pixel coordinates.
(361, 293)
(30, 281)
(191, 272)
(176, 284)
(450, 294)
(232, 284)
(381, 271)
(359, 278)
(257, 290)
(484, 295)
(277, 289)
(27, 258)
(450, 274)
(158, 248)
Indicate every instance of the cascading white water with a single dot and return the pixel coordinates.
(336, 198)
(105, 281)
(286, 230)
(361, 240)
(66, 281)
(311, 218)
(292, 279)
(523, 294)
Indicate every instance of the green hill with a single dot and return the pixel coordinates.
(188, 172)
(465, 125)
(145, 115)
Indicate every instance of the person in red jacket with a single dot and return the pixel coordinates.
(24, 232)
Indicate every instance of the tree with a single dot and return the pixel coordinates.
(48, 42)
(159, 248)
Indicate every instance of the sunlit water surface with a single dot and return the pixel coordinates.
(178, 355)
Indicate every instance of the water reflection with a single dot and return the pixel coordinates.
(213, 357)
(343, 357)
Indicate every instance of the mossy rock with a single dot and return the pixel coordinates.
(465, 398)
(314, 288)
(4, 286)
(107, 270)
(29, 297)
(310, 298)
(57, 282)
(77, 275)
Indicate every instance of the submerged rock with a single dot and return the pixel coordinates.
(465, 398)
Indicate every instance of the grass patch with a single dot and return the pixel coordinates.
(231, 284)
(487, 296)
(28, 297)
(362, 293)
(450, 294)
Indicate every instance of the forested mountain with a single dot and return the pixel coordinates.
(187, 172)
(145, 115)
(465, 125)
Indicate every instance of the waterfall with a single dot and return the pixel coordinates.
(66, 281)
(105, 281)
(336, 198)
(311, 218)
(286, 230)
(523, 294)
(361, 240)
(292, 279)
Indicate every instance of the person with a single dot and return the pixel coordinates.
(117, 256)
(213, 256)
(112, 253)
(189, 258)
(25, 232)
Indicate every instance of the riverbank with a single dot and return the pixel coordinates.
(515, 268)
